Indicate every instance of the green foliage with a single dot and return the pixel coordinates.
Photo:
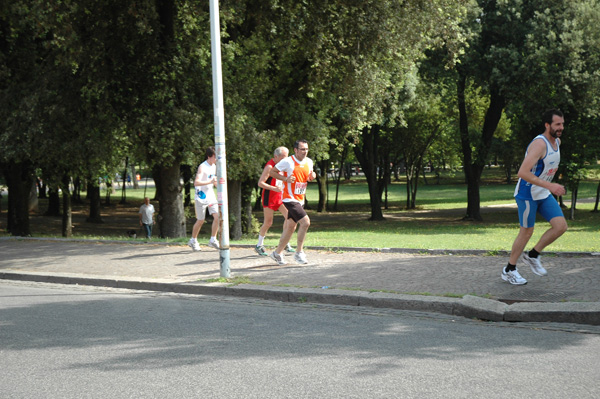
(425, 120)
(368, 49)
(85, 84)
(578, 150)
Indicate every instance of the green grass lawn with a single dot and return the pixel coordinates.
(435, 224)
(440, 226)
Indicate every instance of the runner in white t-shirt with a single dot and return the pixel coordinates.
(204, 198)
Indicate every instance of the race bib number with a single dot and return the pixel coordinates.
(279, 183)
(300, 188)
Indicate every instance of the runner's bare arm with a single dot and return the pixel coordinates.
(262, 181)
(198, 182)
(274, 173)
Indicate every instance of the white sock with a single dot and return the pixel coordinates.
(261, 240)
(213, 238)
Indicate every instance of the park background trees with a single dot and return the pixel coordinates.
(85, 86)
(528, 55)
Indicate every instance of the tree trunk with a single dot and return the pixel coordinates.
(172, 218)
(466, 146)
(19, 177)
(508, 174)
(366, 154)
(67, 220)
(597, 198)
(248, 218)
(156, 176)
(93, 194)
(53, 202)
(124, 178)
(573, 202)
(409, 181)
(188, 176)
(414, 184)
(474, 168)
(109, 190)
(339, 176)
(33, 198)
(322, 182)
(134, 179)
(385, 173)
(385, 197)
(76, 195)
(473, 198)
(234, 198)
(348, 171)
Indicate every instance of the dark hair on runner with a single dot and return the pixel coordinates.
(300, 141)
(210, 151)
(548, 115)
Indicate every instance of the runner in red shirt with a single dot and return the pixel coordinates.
(271, 199)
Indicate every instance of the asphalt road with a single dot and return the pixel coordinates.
(72, 342)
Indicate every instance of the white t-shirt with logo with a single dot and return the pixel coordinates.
(206, 193)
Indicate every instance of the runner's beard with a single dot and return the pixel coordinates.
(555, 133)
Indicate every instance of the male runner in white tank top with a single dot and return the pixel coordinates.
(533, 194)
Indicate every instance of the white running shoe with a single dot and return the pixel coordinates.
(535, 264)
(194, 244)
(300, 257)
(278, 258)
(512, 277)
(214, 244)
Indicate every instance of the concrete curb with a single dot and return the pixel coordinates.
(469, 306)
(415, 251)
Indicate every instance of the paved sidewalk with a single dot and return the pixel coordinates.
(461, 283)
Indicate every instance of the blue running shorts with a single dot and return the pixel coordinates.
(547, 207)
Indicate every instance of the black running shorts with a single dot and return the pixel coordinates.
(295, 210)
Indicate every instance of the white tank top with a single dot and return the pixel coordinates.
(545, 169)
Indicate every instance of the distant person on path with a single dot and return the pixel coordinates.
(147, 217)
(533, 194)
(206, 178)
(271, 199)
(295, 171)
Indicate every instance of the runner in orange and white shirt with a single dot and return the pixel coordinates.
(296, 172)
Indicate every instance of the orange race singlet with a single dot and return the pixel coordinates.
(295, 191)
